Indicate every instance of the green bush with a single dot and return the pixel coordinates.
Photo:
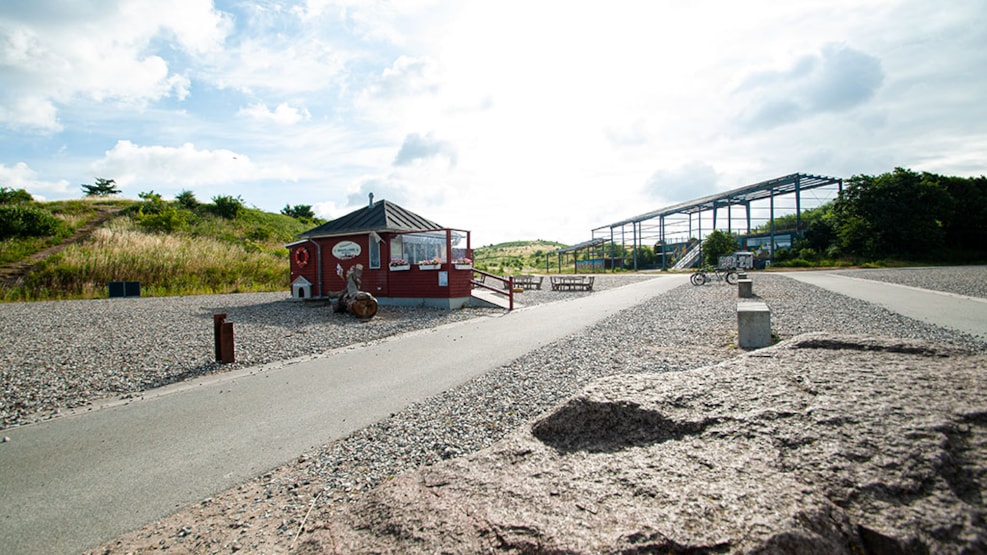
(781, 255)
(260, 233)
(795, 263)
(187, 200)
(808, 253)
(226, 206)
(14, 196)
(717, 244)
(17, 220)
(153, 204)
(166, 220)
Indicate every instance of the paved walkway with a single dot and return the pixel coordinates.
(949, 310)
(72, 483)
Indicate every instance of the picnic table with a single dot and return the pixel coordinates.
(572, 283)
(528, 281)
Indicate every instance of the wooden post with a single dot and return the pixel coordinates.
(226, 338)
(218, 320)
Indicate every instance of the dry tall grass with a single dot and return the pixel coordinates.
(174, 264)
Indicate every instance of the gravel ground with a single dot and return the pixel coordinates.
(967, 280)
(66, 355)
(686, 328)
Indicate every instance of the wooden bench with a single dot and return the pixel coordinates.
(528, 282)
(572, 283)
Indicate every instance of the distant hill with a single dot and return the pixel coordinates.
(514, 257)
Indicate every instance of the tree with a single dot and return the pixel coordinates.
(187, 200)
(820, 232)
(299, 211)
(717, 244)
(966, 229)
(102, 188)
(894, 214)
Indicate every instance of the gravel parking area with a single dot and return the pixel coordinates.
(686, 328)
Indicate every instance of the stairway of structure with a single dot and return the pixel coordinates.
(689, 259)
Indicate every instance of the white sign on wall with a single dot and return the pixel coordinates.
(345, 250)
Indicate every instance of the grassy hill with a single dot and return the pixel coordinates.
(170, 248)
(515, 257)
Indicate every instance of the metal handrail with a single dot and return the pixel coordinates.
(508, 281)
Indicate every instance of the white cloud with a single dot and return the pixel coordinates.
(417, 148)
(836, 79)
(690, 181)
(184, 166)
(408, 76)
(21, 176)
(29, 112)
(283, 114)
(279, 65)
(53, 55)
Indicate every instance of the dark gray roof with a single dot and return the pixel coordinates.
(379, 216)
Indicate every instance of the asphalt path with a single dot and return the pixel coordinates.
(948, 310)
(72, 483)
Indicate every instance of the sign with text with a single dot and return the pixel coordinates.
(345, 250)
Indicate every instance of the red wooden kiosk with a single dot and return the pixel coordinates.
(407, 260)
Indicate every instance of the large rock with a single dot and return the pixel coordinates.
(817, 445)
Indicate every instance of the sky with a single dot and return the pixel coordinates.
(514, 120)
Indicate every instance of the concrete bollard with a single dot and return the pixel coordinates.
(753, 325)
(745, 288)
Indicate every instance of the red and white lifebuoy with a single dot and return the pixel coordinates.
(301, 257)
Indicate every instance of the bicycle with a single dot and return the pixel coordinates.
(705, 275)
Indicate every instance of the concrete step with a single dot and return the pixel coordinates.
(488, 299)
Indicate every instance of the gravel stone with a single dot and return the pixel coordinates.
(967, 280)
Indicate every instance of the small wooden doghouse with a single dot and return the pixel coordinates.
(407, 260)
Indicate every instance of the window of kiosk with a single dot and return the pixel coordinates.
(458, 241)
(419, 247)
(374, 253)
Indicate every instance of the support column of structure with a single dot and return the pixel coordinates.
(730, 216)
(798, 208)
(661, 237)
(771, 226)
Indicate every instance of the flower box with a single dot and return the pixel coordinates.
(465, 266)
(429, 266)
(400, 267)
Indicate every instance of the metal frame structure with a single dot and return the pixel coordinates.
(667, 223)
(574, 251)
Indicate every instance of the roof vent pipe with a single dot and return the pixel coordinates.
(371, 199)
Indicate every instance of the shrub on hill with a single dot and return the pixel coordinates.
(226, 206)
(17, 220)
(14, 196)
